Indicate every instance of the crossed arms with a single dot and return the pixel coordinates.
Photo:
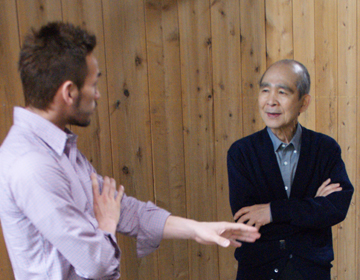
(259, 215)
(256, 187)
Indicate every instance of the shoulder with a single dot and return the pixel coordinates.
(250, 142)
(319, 140)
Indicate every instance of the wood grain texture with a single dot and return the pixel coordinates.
(279, 30)
(326, 82)
(356, 196)
(346, 122)
(35, 13)
(253, 61)
(226, 61)
(304, 50)
(198, 102)
(163, 51)
(126, 64)
(10, 95)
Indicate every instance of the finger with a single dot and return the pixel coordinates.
(120, 194)
(106, 185)
(239, 213)
(112, 188)
(223, 242)
(95, 185)
(244, 219)
(246, 236)
(238, 228)
(326, 182)
(235, 243)
(321, 189)
(330, 191)
(258, 226)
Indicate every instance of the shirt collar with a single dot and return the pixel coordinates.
(49, 133)
(296, 140)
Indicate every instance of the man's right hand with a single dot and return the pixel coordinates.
(106, 205)
(326, 188)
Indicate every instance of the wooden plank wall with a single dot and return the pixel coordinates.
(179, 86)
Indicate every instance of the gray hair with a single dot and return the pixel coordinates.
(303, 82)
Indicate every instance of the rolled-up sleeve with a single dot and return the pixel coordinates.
(143, 220)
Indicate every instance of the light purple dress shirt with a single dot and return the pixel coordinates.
(46, 207)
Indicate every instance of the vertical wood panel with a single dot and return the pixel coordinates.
(279, 30)
(195, 46)
(253, 61)
(10, 87)
(356, 196)
(163, 49)
(225, 22)
(304, 50)
(346, 123)
(93, 141)
(35, 13)
(10, 94)
(126, 63)
(326, 80)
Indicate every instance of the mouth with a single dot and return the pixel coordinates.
(273, 115)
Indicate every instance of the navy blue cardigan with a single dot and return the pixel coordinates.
(301, 224)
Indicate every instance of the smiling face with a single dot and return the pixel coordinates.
(279, 101)
(85, 104)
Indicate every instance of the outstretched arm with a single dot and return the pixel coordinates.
(221, 233)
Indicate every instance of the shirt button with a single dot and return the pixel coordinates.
(276, 270)
(285, 163)
(295, 151)
(286, 188)
(290, 257)
(283, 145)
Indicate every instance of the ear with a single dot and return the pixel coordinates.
(69, 92)
(306, 99)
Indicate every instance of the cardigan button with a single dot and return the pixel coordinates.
(276, 270)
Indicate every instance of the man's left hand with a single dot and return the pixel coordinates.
(256, 215)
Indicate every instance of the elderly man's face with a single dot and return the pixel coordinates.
(279, 101)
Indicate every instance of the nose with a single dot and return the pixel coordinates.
(97, 94)
(272, 98)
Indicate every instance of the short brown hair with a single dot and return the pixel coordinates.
(50, 56)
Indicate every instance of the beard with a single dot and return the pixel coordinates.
(81, 117)
(80, 123)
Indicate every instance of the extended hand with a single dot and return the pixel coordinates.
(256, 215)
(224, 233)
(221, 233)
(326, 188)
(106, 205)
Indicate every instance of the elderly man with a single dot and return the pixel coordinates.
(288, 181)
(57, 222)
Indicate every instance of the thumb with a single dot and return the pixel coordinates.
(223, 242)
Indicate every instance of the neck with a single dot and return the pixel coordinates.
(49, 115)
(285, 134)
